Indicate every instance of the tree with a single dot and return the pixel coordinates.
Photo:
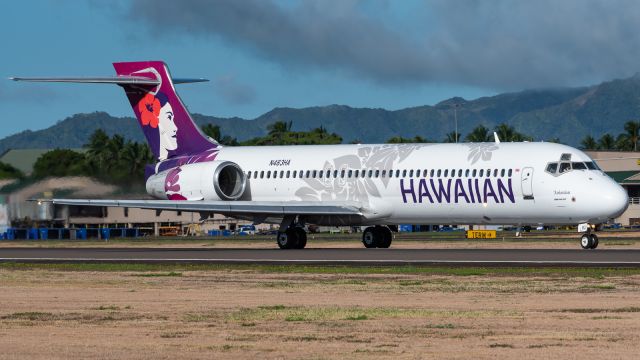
(9, 172)
(400, 140)
(279, 127)
(59, 162)
(451, 137)
(633, 130)
(479, 134)
(589, 143)
(606, 142)
(213, 131)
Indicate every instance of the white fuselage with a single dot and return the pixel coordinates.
(471, 183)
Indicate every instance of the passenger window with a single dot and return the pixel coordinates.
(439, 172)
(249, 175)
(417, 172)
(268, 174)
(502, 173)
(328, 175)
(300, 175)
(384, 173)
(404, 173)
(350, 173)
(357, 173)
(466, 173)
(488, 172)
(495, 173)
(579, 166)
(564, 167)
(288, 173)
(335, 173)
(459, 172)
(424, 173)
(481, 172)
(411, 173)
(262, 174)
(475, 172)
(446, 172)
(370, 173)
(342, 173)
(307, 174)
(510, 172)
(432, 172)
(294, 173)
(377, 173)
(320, 174)
(397, 173)
(453, 172)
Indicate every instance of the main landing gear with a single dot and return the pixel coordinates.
(377, 237)
(293, 238)
(589, 241)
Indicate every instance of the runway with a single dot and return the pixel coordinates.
(448, 257)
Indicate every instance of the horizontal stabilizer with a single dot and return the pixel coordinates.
(120, 80)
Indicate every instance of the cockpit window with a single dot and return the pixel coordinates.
(564, 167)
(579, 166)
(552, 167)
(591, 165)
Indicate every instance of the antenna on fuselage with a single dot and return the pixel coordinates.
(495, 136)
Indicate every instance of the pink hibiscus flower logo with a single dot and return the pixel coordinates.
(172, 185)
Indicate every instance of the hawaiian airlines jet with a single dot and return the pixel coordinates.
(377, 186)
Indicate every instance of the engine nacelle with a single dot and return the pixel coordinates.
(214, 180)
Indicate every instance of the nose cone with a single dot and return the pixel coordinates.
(615, 200)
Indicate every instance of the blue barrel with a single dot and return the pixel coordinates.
(104, 233)
(44, 233)
(81, 234)
(11, 234)
(32, 234)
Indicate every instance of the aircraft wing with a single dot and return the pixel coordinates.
(269, 208)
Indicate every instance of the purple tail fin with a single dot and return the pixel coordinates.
(166, 123)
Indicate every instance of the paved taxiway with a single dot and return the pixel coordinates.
(459, 257)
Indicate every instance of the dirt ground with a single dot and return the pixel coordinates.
(240, 314)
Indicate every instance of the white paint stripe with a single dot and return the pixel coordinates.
(330, 261)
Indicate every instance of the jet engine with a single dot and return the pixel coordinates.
(214, 180)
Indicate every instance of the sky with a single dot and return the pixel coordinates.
(262, 54)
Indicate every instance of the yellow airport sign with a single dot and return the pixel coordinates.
(481, 234)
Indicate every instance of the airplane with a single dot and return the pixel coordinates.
(372, 185)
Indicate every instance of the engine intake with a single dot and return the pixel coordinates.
(215, 180)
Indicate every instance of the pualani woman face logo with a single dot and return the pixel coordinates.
(156, 111)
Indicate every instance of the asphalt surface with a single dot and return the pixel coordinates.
(453, 257)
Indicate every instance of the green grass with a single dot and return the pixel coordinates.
(178, 269)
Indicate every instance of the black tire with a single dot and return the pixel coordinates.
(301, 237)
(385, 236)
(369, 238)
(585, 241)
(594, 241)
(287, 239)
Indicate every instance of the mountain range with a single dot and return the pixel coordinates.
(567, 114)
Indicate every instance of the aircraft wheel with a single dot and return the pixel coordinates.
(287, 239)
(301, 236)
(385, 236)
(594, 241)
(585, 241)
(370, 237)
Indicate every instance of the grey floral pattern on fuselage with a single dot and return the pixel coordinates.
(480, 151)
(351, 188)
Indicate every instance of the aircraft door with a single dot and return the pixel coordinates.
(527, 183)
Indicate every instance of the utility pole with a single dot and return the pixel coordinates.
(455, 119)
